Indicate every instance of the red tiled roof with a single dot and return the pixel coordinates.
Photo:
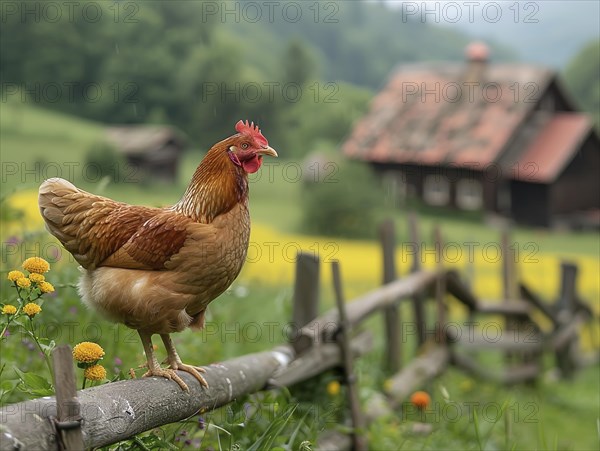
(419, 118)
(553, 147)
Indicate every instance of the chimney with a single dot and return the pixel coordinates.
(477, 56)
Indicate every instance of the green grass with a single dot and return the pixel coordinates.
(564, 414)
(554, 411)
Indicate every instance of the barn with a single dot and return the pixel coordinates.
(501, 138)
(152, 149)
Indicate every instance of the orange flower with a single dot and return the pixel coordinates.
(420, 400)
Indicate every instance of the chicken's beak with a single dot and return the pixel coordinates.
(267, 151)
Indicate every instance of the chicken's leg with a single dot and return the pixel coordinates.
(154, 368)
(176, 364)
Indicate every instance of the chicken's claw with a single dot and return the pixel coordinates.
(167, 373)
(193, 370)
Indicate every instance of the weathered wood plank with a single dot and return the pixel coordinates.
(391, 314)
(566, 299)
(306, 292)
(529, 296)
(319, 359)
(460, 291)
(512, 375)
(564, 334)
(359, 442)
(68, 409)
(418, 298)
(116, 411)
(510, 340)
(417, 373)
(508, 267)
(508, 307)
(323, 328)
(440, 288)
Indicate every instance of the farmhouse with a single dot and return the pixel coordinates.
(152, 149)
(502, 138)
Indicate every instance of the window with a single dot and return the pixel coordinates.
(469, 195)
(394, 183)
(436, 190)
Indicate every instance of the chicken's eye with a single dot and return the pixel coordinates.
(244, 145)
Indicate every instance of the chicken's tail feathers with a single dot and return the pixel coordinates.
(60, 205)
(49, 195)
(56, 183)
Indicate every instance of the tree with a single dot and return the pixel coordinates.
(582, 77)
(298, 63)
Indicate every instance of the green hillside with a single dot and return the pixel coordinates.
(37, 143)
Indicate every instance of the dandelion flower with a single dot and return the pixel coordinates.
(95, 372)
(387, 385)
(24, 282)
(87, 352)
(36, 264)
(333, 388)
(420, 400)
(37, 278)
(9, 310)
(31, 309)
(13, 276)
(46, 287)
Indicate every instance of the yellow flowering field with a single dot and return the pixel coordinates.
(271, 257)
(271, 260)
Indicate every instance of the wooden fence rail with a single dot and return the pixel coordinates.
(117, 411)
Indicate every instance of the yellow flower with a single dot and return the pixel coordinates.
(466, 385)
(46, 287)
(87, 352)
(9, 310)
(37, 278)
(95, 372)
(387, 385)
(32, 309)
(13, 276)
(36, 264)
(24, 282)
(333, 388)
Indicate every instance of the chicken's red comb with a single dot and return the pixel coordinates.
(253, 131)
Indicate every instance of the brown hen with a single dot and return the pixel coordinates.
(157, 269)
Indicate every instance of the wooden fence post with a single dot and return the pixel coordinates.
(306, 295)
(343, 337)
(418, 298)
(565, 312)
(512, 322)
(509, 285)
(566, 300)
(68, 423)
(440, 288)
(391, 314)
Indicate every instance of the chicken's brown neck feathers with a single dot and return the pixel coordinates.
(216, 187)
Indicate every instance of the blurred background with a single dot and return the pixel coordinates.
(359, 99)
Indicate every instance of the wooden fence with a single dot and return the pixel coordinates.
(116, 411)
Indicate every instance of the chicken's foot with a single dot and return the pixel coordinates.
(175, 362)
(154, 368)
